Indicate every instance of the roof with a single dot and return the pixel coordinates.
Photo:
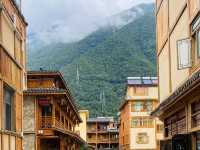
(183, 90)
(72, 134)
(101, 119)
(142, 81)
(44, 91)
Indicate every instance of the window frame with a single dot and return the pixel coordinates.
(179, 67)
(12, 126)
(197, 44)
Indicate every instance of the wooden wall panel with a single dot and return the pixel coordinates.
(18, 144)
(164, 73)
(175, 8)
(18, 50)
(18, 113)
(0, 142)
(19, 23)
(43, 83)
(5, 141)
(0, 63)
(8, 36)
(194, 8)
(181, 31)
(1, 102)
(158, 3)
(12, 143)
(162, 25)
(10, 71)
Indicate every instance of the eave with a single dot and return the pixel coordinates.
(192, 83)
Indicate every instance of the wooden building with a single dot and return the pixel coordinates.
(137, 129)
(50, 115)
(102, 133)
(178, 55)
(12, 74)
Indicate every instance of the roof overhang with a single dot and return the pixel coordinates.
(187, 87)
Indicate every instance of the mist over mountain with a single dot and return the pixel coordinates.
(96, 67)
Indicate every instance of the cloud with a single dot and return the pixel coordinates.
(70, 20)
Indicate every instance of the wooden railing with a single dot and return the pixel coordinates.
(177, 127)
(49, 122)
(46, 122)
(103, 140)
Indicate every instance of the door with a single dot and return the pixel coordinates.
(181, 142)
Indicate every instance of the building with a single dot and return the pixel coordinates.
(81, 129)
(178, 53)
(138, 130)
(102, 133)
(12, 74)
(50, 115)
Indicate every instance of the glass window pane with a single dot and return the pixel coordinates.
(8, 98)
(138, 106)
(184, 56)
(198, 43)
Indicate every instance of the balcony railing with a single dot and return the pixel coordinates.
(46, 122)
(50, 122)
(103, 140)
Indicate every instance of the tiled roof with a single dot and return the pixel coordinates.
(44, 91)
(101, 119)
(43, 71)
(142, 80)
(181, 91)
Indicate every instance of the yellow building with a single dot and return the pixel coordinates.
(138, 130)
(81, 129)
(12, 74)
(178, 55)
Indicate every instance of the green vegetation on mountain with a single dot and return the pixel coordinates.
(96, 67)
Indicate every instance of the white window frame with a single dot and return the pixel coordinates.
(181, 65)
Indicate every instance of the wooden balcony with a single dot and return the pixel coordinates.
(48, 122)
(103, 140)
(178, 127)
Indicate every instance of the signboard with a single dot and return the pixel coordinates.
(44, 101)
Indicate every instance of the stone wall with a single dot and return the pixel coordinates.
(29, 142)
(29, 114)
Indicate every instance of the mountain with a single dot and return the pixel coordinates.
(97, 66)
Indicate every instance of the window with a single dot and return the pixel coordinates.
(8, 109)
(142, 138)
(148, 106)
(160, 128)
(46, 111)
(184, 53)
(198, 43)
(141, 122)
(134, 122)
(138, 106)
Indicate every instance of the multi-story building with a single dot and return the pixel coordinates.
(178, 55)
(102, 133)
(12, 73)
(138, 130)
(50, 115)
(81, 129)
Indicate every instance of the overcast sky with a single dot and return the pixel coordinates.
(68, 20)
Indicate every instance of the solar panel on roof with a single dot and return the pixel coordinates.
(134, 81)
(147, 81)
